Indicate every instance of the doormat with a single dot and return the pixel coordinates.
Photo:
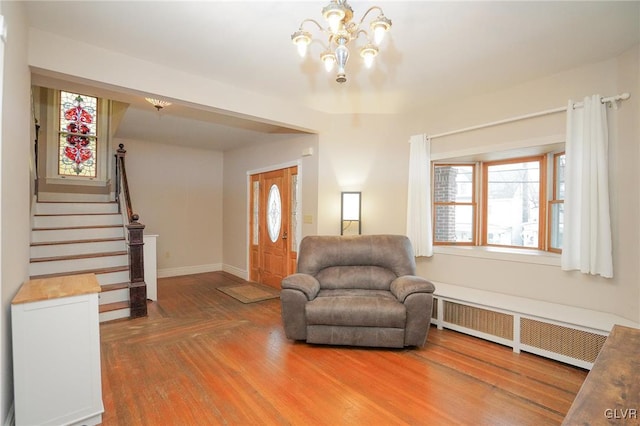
(250, 293)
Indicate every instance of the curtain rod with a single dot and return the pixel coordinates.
(604, 100)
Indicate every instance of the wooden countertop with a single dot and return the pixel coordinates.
(56, 287)
(611, 392)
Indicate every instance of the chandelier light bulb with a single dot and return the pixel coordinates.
(334, 13)
(334, 22)
(302, 48)
(301, 39)
(380, 27)
(378, 34)
(329, 60)
(368, 53)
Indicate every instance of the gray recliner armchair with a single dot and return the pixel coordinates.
(358, 290)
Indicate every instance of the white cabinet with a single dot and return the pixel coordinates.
(56, 352)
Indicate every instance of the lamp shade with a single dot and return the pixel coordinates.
(350, 214)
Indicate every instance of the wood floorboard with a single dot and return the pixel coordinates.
(204, 358)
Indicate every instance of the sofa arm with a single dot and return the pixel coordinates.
(305, 283)
(297, 290)
(405, 285)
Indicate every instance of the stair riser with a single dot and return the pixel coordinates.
(114, 315)
(113, 277)
(76, 234)
(72, 208)
(77, 248)
(76, 220)
(121, 295)
(72, 265)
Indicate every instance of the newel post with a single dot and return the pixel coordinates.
(137, 287)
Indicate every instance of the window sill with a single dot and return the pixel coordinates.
(70, 180)
(538, 257)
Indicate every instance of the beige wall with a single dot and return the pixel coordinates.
(49, 52)
(15, 177)
(270, 154)
(367, 153)
(620, 295)
(370, 154)
(177, 192)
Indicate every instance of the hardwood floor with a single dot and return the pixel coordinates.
(203, 358)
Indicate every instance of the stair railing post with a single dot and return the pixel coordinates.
(135, 232)
(137, 288)
(120, 153)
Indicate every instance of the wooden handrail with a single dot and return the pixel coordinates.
(122, 184)
(135, 229)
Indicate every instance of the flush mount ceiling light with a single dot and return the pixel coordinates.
(158, 103)
(340, 32)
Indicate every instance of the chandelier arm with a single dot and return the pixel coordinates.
(361, 31)
(369, 10)
(315, 22)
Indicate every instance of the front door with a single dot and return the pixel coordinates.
(273, 251)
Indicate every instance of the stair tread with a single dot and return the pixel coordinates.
(76, 202)
(108, 307)
(78, 256)
(75, 214)
(77, 227)
(92, 240)
(113, 287)
(87, 271)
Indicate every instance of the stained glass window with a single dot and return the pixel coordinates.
(77, 135)
(274, 213)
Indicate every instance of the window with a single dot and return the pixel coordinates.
(556, 204)
(511, 193)
(77, 135)
(500, 203)
(454, 204)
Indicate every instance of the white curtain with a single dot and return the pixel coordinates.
(587, 229)
(419, 199)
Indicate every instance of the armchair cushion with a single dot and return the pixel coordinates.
(356, 310)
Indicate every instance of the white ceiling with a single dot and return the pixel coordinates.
(435, 51)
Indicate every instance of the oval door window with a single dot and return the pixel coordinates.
(274, 213)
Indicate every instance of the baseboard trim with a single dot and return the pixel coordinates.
(188, 270)
(240, 273)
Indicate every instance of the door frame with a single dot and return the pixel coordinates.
(298, 211)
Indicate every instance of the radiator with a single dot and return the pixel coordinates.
(568, 343)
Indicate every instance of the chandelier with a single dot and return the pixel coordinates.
(340, 32)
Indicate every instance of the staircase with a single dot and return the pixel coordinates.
(70, 238)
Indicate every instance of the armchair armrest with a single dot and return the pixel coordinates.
(405, 285)
(305, 283)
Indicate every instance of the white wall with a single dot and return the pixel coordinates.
(268, 154)
(177, 192)
(15, 178)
